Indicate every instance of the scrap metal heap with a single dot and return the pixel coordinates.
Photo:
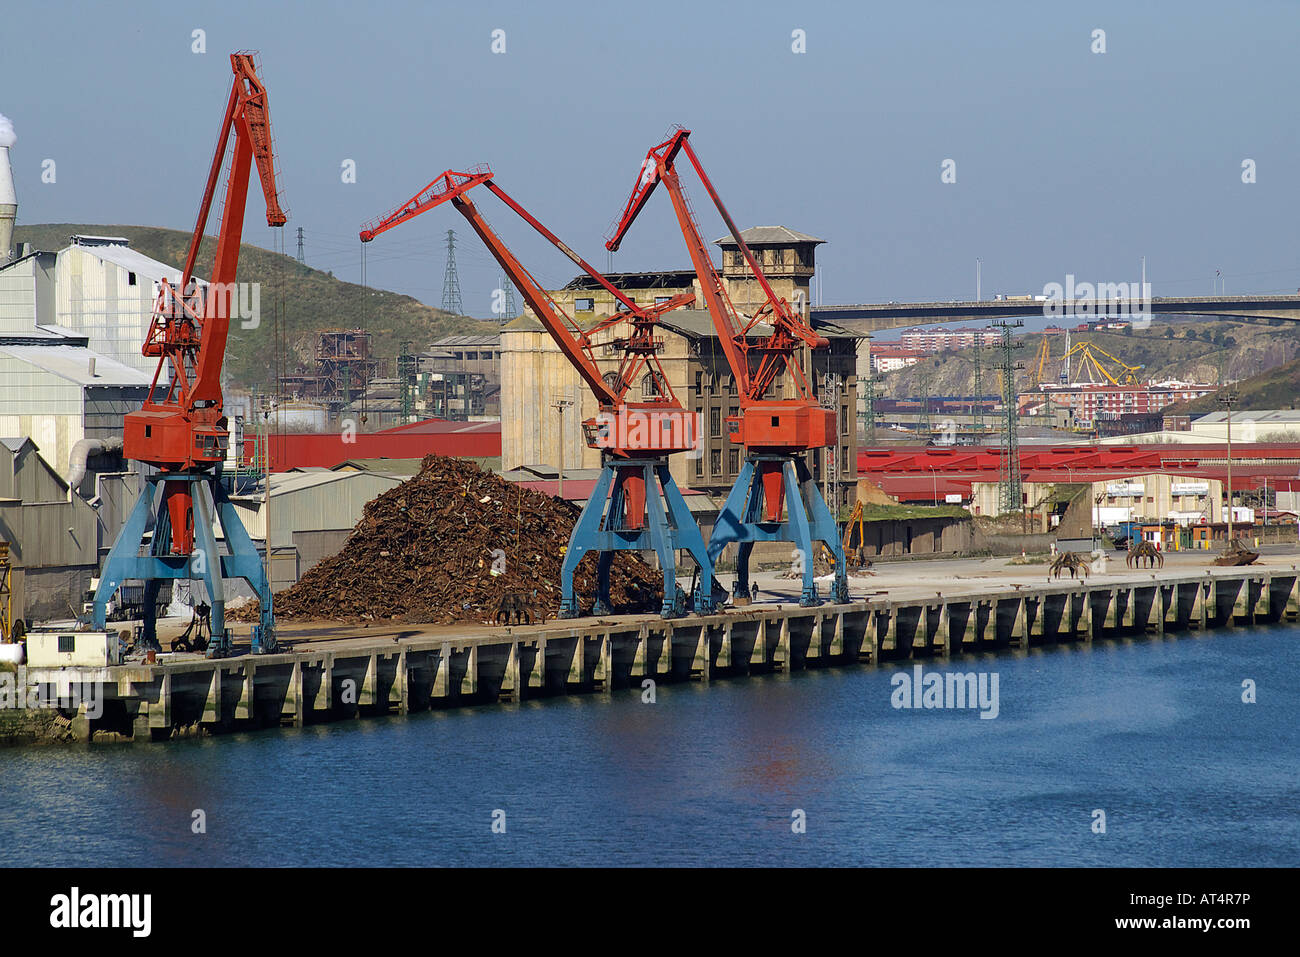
(450, 544)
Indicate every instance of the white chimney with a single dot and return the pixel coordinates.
(8, 198)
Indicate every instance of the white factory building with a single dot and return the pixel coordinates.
(71, 326)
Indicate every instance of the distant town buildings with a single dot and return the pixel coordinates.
(1088, 403)
(931, 341)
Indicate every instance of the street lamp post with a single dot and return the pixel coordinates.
(1226, 399)
(559, 405)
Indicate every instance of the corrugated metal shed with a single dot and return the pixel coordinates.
(312, 502)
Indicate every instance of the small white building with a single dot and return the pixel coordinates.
(105, 291)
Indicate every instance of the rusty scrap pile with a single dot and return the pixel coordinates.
(426, 550)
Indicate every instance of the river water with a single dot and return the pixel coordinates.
(1152, 732)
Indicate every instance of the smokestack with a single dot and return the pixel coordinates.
(8, 198)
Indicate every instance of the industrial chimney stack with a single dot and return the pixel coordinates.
(8, 198)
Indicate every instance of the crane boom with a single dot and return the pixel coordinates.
(774, 497)
(578, 346)
(190, 324)
(756, 360)
(645, 508)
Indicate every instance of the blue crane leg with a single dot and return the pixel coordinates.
(206, 563)
(687, 536)
(122, 557)
(730, 524)
(584, 537)
(244, 562)
(799, 532)
(663, 541)
(826, 531)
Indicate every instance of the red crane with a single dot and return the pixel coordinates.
(774, 497)
(183, 432)
(646, 509)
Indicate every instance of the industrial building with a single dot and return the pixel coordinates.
(1089, 402)
(71, 326)
(1157, 497)
(543, 402)
(309, 515)
(53, 535)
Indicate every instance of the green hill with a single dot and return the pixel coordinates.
(314, 301)
(1190, 351)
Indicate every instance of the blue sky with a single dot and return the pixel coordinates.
(1067, 161)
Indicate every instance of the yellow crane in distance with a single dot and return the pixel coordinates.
(1091, 364)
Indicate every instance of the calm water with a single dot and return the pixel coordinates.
(1153, 732)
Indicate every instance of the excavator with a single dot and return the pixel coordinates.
(181, 429)
(774, 497)
(636, 504)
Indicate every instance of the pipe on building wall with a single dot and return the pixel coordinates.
(81, 453)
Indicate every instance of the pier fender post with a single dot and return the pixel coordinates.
(1130, 607)
(366, 696)
(160, 715)
(664, 666)
(816, 647)
(1110, 621)
(700, 664)
(1197, 618)
(469, 684)
(891, 627)
(578, 662)
(291, 706)
(724, 653)
(511, 681)
(942, 633)
(758, 653)
(212, 701)
(244, 704)
(970, 632)
(604, 674)
(641, 655)
(1160, 607)
(537, 676)
(869, 649)
(1036, 616)
(1293, 599)
(1263, 610)
(921, 637)
(442, 672)
(401, 685)
(837, 635)
(782, 655)
(325, 690)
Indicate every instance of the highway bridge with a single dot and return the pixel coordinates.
(870, 317)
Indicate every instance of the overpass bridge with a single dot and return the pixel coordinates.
(870, 317)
